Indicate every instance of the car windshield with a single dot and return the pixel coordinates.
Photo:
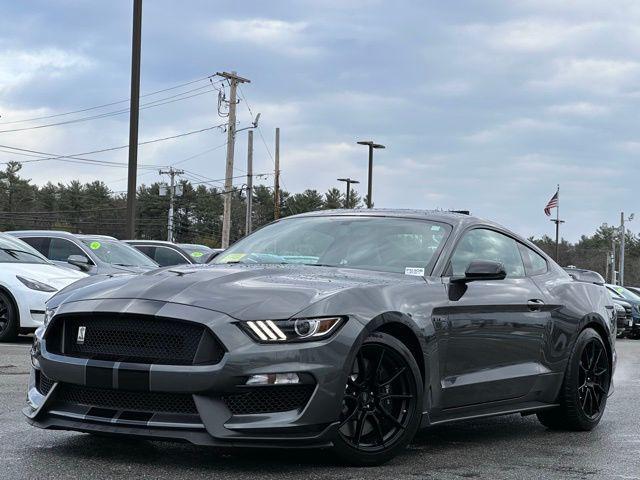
(115, 252)
(13, 250)
(624, 293)
(198, 253)
(385, 244)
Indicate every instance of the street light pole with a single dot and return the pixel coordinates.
(348, 181)
(371, 146)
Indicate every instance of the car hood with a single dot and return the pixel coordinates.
(240, 291)
(53, 275)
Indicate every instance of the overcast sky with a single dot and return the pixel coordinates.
(483, 105)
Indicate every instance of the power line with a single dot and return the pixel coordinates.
(97, 107)
(110, 149)
(155, 103)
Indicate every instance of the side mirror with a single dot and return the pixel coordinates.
(482, 270)
(79, 261)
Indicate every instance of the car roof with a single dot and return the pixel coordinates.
(445, 216)
(152, 242)
(91, 237)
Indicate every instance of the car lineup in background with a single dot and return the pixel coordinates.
(27, 281)
(342, 329)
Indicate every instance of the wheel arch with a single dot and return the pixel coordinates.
(401, 327)
(597, 323)
(13, 301)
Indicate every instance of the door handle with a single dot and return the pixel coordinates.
(535, 304)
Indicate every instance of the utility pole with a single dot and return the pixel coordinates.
(613, 259)
(276, 181)
(348, 181)
(234, 80)
(248, 226)
(371, 146)
(622, 235)
(623, 232)
(136, 43)
(172, 194)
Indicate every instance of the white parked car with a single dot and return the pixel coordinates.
(27, 281)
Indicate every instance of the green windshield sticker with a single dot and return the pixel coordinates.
(95, 245)
(233, 257)
(197, 254)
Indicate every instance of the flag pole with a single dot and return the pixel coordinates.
(558, 222)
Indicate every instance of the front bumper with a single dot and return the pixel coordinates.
(325, 364)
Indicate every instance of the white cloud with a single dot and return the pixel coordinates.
(530, 35)
(597, 75)
(17, 66)
(289, 38)
(516, 127)
(579, 109)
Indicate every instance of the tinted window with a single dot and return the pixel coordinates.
(61, 249)
(167, 257)
(481, 244)
(372, 243)
(148, 251)
(13, 250)
(535, 264)
(41, 244)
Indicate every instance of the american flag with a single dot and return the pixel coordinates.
(553, 203)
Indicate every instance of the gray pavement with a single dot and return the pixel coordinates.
(510, 447)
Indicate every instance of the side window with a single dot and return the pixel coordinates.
(167, 257)
(482, 244)
(535, 263)
(41, 244)
(61, 249)
(148, 251)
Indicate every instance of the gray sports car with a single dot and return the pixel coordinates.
(342, 329)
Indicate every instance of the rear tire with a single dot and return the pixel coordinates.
(583, 396)
(8, 319)
(382, 403)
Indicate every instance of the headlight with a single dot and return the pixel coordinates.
(48, 315)
(36, 285)
(298, 330)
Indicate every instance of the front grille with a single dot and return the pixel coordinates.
(134, 338)
(43, 383)
(149, 402)
(269, 399)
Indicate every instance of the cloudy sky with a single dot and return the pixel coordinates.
(483, 105)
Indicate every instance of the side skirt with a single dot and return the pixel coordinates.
(450, 417)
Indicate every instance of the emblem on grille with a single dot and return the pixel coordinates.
(81, 333)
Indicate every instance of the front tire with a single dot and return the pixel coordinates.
(8, 319)
(583, 396)
(382, 403)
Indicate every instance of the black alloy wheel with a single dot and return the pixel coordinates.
(8, 326)
(584, 392)
(593, 378)
(381, 406)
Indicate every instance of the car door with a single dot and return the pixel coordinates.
(60, 249)
(493, 329)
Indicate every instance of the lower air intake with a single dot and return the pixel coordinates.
(269, 399)
(149, 402)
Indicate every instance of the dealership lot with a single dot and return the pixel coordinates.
(505, 447)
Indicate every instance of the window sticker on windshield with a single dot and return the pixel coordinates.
(95, 245)
(418, 272)
(197, 254)
(435, 228)
(233, 257)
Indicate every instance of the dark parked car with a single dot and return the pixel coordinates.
(167, 253)
(92, 254)
(583, 275)
(349, 329)
(633, 331)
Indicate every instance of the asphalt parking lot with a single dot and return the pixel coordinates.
(512, 447)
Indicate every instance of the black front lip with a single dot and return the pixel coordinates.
(323, 361)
